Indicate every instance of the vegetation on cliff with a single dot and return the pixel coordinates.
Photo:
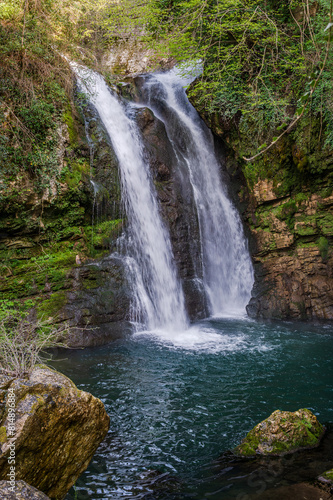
(260, 60)
(264, 65)
(47, 219)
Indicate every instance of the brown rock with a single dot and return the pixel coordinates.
(57, 430)
(21, 491)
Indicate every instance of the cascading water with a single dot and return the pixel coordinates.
(158, 293)
(227, 267)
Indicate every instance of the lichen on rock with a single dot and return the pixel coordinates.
(281, 433)
(57, 430)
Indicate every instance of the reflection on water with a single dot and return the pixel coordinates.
(178, 401)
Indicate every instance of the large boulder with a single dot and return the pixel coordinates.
(281, 433)
(49, 428)
(21, 491)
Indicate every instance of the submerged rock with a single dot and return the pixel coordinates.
(21, 491)
(301, 491)
(50, 428)
(281, 433)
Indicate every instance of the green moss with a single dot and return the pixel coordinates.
(3, 435)
(30, 276)
(74, 172)
(67, 118)
(300, 197)
(103, 235)
(325, 223)
(51, 307)
(323, 247)
(286, 213)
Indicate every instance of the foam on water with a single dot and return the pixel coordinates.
(204, 338)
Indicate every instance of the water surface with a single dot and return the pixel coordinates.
(177, 401)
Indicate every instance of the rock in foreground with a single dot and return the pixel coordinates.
(21, 491)
(282, 432)
(56, 432)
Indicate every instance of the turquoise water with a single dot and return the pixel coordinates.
(178, 401)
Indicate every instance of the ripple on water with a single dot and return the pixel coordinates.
(178, 400)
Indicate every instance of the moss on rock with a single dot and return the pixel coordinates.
(326, 477)
(281, 433)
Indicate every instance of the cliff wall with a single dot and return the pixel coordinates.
(286, 196)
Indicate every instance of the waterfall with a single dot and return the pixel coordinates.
(159, 301)
(227, 268)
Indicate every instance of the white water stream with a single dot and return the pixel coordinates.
(227, 268)
(159, 299)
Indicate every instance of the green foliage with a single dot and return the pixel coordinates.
(262, 60)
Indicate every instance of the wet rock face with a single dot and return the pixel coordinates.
(21, 491)
(281, 433)
(98, 303)
(177, 207)
(57, 430)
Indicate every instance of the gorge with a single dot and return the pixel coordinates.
(166, 213)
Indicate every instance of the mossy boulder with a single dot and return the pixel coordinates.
(57, 430)
(281, 433)
(21, 491)
(326, 477)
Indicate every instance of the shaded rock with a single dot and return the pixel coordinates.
(281, 433)
(57, 430)
(177, 203)
(301, 491)
(21, 491)
(98, 303)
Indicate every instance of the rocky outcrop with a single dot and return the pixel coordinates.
(50, 428)
(293, 258)
(286, 201)
(281, 433)
(20, 491)
(55, 242)
(96, 307)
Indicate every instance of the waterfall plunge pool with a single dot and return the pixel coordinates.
(177, 402)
